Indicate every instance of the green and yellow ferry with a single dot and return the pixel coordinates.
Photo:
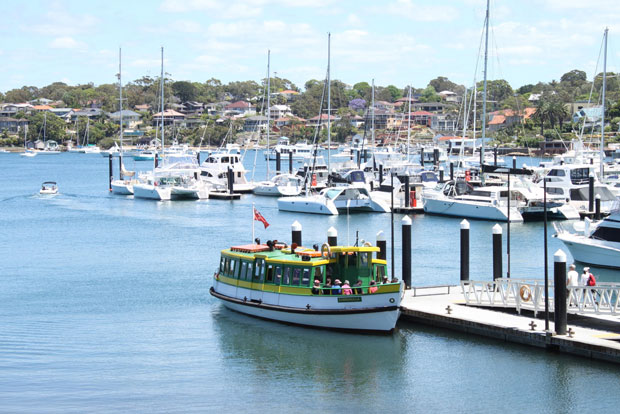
(291, 284)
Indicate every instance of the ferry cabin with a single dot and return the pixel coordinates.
(276, 283)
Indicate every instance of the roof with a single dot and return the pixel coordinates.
(126, 112)
(169, 112)
(239, 104)
(42, 107)
(289, 92)
(323, 117)
(421, 113)
(497, 120)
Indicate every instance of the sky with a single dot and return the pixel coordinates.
(398, 42)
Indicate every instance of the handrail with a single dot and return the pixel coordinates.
(529, 294)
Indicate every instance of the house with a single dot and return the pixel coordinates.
(356, 121)
(444, 122)
(41, 108)
(254, 123)
(169, 116)
(428, 106)
(588, 116)
(12, 125)
(130, 118)
(143, 108)
(279, 111)
(383, 119)
(240, 107)
(534, 97)
(288, 94)
(41, 101)
(10, 109)
(422, 118)
(288, 121)
(384, 105)
(61, 112)
(507, 117)
(315, 121)
(450, 96)
(87, 112)
(191, 108)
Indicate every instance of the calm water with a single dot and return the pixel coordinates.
(104, 307)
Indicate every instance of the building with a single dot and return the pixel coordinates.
(169, 116)
(254, 123)
(143, 108)
(422, 118)
(240, 108)
(87, 112)
(507, 117)
(428, 106)
(450, 96)
(130, 118)
(444, 122)
(12, 125)
(288, 94)
(279, 111)
(11, 109)
(315, 121)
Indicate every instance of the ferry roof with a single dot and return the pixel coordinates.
(284, 255)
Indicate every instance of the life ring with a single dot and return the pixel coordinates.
(326, 251)
(525, 293)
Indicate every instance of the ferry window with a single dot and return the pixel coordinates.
(318, 273)
(286, 279)
(278, 275)
(244, 268)
(258, 268)
(270, 274)
(296, 274)
(261, 271)
(364, 259)
(352, 262)
(380, 272)
(227, 267)
(250, 271)
(552, 190)
(232, 267)
(305, 279)
(222, 265)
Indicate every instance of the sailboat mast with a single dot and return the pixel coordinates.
(329, 100)
(120, 102)
(372, 121)
(484, 93)
(162, 101)
(602, 149)
(408, 122)
(268, 107)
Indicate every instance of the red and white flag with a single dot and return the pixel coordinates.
(259, 217)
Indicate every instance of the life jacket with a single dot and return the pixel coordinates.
(591, 280)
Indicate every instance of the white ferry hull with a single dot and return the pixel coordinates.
(378, 313)
(482, 211)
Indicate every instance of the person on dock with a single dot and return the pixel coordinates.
(572, 281)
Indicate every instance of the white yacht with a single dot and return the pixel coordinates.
(215, 171)
(282, 185)
(595, 243)
(177, 178)
(300, 151)
(570, 181)
(460, 199)
(334, 199)
(49, 188)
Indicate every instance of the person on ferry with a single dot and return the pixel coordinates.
(346, 288)
(327, 287)
(373, 287)
(357, 287)
(337, 288)
(316, 288)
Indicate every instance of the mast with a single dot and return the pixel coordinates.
(372, 121)
(268, 110)
(120, 103)
(484, 94)
(602, 149)
(329, 100)
(408, 123)
(162, 102)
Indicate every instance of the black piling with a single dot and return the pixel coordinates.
(591, 193)
(436, 156)
(296, 233)
(559, 290)
(110, 176)
(120, 166)
(231, 179)
(406, 232)
(382, 245)
(290, 162)
(451, 171)
(597, 207)
(406, 179)
(380, 174)
(495, 156)
(332, 236)
(198, 156)
(441, 180)
(421, 156)
(497, 252)
(155, 160)
(514, 162)
(278, 161)
(464, 250)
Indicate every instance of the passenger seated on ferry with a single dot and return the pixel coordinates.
(337, 288)
(394, 280)
(357, 287)
(385, 280)
(373, 287)
(327, 287)
(316, 288)
(346, 288)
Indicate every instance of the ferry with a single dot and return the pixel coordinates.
(290, 284)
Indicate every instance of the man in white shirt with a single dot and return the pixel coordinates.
(572, 277)
(583, 280)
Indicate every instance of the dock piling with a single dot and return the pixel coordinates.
(296, 233)
(110, 177)
(406, 233)
(290, 162)
(278, 161)
(436, 156)
(382, 245)
(451, 171)
(380, 174)
(464, 250)
(514, 162)
(591, 193)
(559, 292)
(497, 252)
(406, 179)
(231, 178)
(597, 207)
(441, 180)
(332, 236)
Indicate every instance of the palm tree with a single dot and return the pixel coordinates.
(542, 113)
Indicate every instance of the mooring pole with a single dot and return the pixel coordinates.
(591, 193)
(464, 250)
(597, 207)
(441, 175)
(296, 233)
(406, 232)
(392, 218)
(380, 174)
(546, 256)
(110, 172)
(497, 252)
(451, 171)
(332, 236)
(406, 178)
(559, 289)
(514, 162)
(382, 245)
(290, 162)
(278, 161)
(231, 178)
(495, 156)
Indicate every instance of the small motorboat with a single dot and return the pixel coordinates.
(49, 188)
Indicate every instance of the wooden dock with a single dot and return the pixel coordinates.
(222, 195)
(591, 336)
(409, 210)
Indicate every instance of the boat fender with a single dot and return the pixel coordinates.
(326, 251)
(525, 293)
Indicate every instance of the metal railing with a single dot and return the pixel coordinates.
(529, 294)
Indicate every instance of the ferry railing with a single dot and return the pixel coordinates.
(529, 294)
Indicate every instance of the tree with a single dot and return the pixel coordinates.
(357, 104)
(429, 95)
(574, 78)
(498, 90)
(184, 90)
(243, 90)
(55, 127)
(542, 112)
(395, 93)
(442, 83)
(24, 94)
(363, 90)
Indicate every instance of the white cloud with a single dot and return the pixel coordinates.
(60, 23)
(354, 20)
(420, 11)
(66, 43)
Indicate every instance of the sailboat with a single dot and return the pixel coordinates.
(27, 152)
(49, 147)
(330, 200)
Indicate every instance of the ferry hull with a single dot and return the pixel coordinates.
(376, 319)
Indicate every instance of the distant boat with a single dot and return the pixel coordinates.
(49, 188)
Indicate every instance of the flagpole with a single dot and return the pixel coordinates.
(253, 224)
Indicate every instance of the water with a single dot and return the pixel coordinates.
(104, 307)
